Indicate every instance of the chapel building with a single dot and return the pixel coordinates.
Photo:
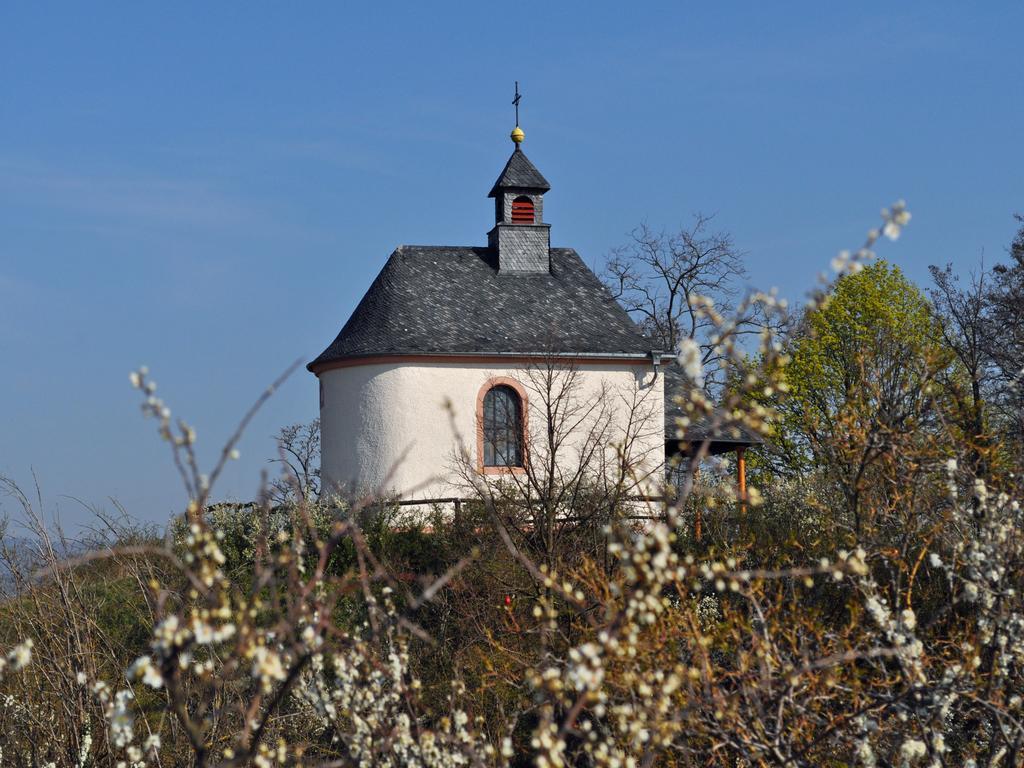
(437, 378)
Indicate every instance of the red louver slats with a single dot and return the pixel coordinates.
(522, 211)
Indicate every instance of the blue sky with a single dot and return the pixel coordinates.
(209, 189)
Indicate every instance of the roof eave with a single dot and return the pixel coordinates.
(497, 189)
(319, 365)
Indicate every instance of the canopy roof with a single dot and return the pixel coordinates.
(719, 430)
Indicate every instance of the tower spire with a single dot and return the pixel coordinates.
(517, 134)
(520, 239)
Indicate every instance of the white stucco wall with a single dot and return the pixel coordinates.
(385, 427)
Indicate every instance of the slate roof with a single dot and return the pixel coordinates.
(452, 300)
(722, 431)
(519, 172)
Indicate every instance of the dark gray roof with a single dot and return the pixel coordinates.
(722, 432)
(520, 173)
(452, 300)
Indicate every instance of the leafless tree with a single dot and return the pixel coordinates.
(963, 315)
(1005, 336)
(299, 455)
(585, 454)
(662, 279)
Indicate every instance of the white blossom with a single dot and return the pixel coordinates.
(144, 669)
(912, 750)
(690, 360)
(20, 655)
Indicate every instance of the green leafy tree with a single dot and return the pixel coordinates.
(862, 389)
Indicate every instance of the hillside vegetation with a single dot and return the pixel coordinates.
(861, 605)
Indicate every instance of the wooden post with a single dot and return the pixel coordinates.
(741, 472)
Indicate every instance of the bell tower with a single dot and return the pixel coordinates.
(520, 237)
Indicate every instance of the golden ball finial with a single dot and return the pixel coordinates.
(517, 135)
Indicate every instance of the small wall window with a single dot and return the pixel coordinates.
(502, 427)
(522, 210)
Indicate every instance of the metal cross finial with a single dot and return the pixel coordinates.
(516, 101)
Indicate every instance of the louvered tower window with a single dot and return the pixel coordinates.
(522, 210)
(503, 428)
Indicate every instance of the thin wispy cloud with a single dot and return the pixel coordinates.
(126, 197)
(335, 153)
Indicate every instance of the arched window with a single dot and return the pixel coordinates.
(502, 427)
(522, 210)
